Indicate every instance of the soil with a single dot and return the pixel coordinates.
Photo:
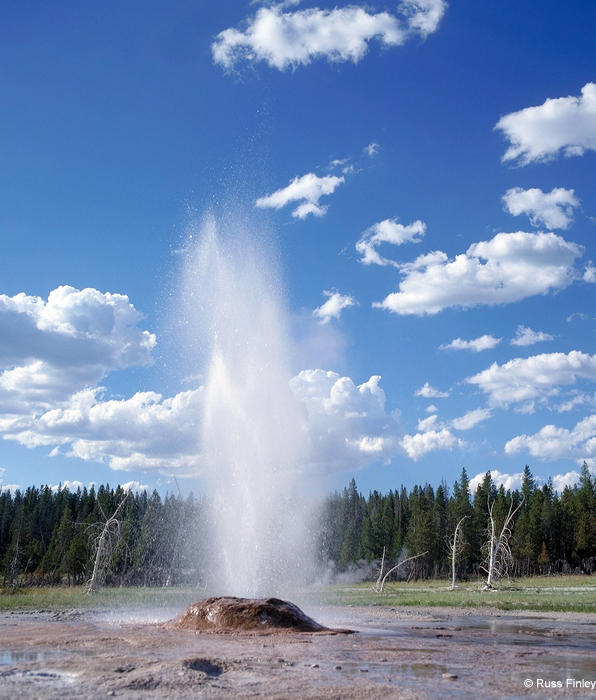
(396, 653)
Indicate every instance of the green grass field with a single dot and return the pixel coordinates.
(545, 593)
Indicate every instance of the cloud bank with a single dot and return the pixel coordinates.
(285, 39)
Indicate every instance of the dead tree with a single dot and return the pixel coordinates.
(456, 546)
(497, 553)
(378, 587)
(104, 545)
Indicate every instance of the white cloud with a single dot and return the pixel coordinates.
(577, 316)
(387, 231)
(579, 399)
(428, 392)
(590, 273)
(10, 487)
(424, 16)
(527, 336)
(553, 209)
(426, 424)
(431, 409)
(470, 419)
(69, 485)
(416, 446)
(509, 267)
(307, 189)
(551, 442)
(346, 426)
(564, 124)
(51, 349)
(372, 149)
(561, 481)
(290, 39)
(484, 342)
(510, 482)
(537, 377)
(333, 307)
(347, 423)
(135, 486)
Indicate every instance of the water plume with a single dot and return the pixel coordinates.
(253, 437)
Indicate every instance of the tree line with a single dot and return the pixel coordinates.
(552, 532)
(50, 536)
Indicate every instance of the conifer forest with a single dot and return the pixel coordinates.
(50, 536)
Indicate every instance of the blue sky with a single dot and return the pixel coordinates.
(428, 165)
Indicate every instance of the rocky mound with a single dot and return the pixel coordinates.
(229, 614)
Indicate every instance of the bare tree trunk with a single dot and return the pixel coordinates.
(379, 587)
(455, 547)
(378, 583)
(498, 554)
(104, 547)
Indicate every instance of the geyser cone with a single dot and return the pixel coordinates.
(252, 435)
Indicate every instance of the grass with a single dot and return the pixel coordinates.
(69, 597)
(541, 593)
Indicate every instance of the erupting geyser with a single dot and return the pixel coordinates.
(253, 438)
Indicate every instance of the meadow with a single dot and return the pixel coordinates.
(540, 593)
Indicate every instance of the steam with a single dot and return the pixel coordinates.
(253, 431)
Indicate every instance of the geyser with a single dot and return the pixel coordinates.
(253, 437)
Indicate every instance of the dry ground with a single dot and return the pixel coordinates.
(397, 653)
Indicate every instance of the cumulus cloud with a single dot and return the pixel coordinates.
(51, 349)
(308, 190)
(551, 442)
(513, 481)
(145, 431)
(564, 125)
(562, 481)
(484, 342)
(288, 39)
(471, 419)
(333, 307)
(428, 392)
(509, 267)
(537, 377)
(346, 426)
(553, 209)
(526, 336)
(347, 423)
(387, 231)
(419, 444)
(510, 482)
